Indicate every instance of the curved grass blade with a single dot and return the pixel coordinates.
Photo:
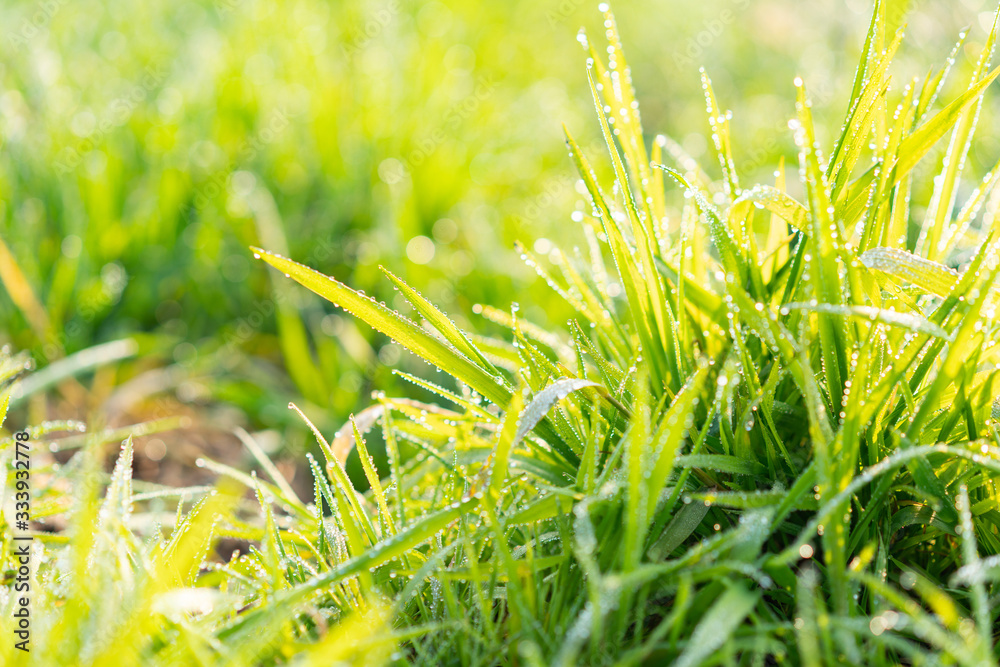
(918, 144)
(397, 327)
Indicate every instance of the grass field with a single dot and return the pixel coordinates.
(716, 388)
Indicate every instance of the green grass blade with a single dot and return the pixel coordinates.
(395, 326)
(717, 625)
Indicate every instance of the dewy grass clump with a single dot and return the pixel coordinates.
(775, 443)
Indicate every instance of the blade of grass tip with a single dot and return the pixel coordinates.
(194, 536)
(595, 261)
(590, 308)
(985, 194)
(860, 75)
(861, 115)
(934, 83)
(886, 222)
(355, 519)
(662, 322)
(719, 124)
(613, 376)
(223, 470)
(394, 325)
(13, 367)
(272, 470)
(405, 332)
(382, 552)
(533, 331)
(372, 476)
(395, 463)
(766, 413)
(323, 492)
(470, 405)
(600, 315)
(176, 569)
(570, 446)
(681, 526)
(733, 261)
(726, 463)
(277, 557)
(692, 170)
(919, 143)
(868, 121)
(826, 239)
(741, 218)
(117, 503)
(696, 298)
(946, 185)
(622, 93)
(634, 286)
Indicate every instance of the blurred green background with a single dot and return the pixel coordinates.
(144, 146)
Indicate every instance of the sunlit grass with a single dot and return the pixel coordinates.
(766, 435)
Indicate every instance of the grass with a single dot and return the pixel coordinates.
(177, 123)
(766, 435)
